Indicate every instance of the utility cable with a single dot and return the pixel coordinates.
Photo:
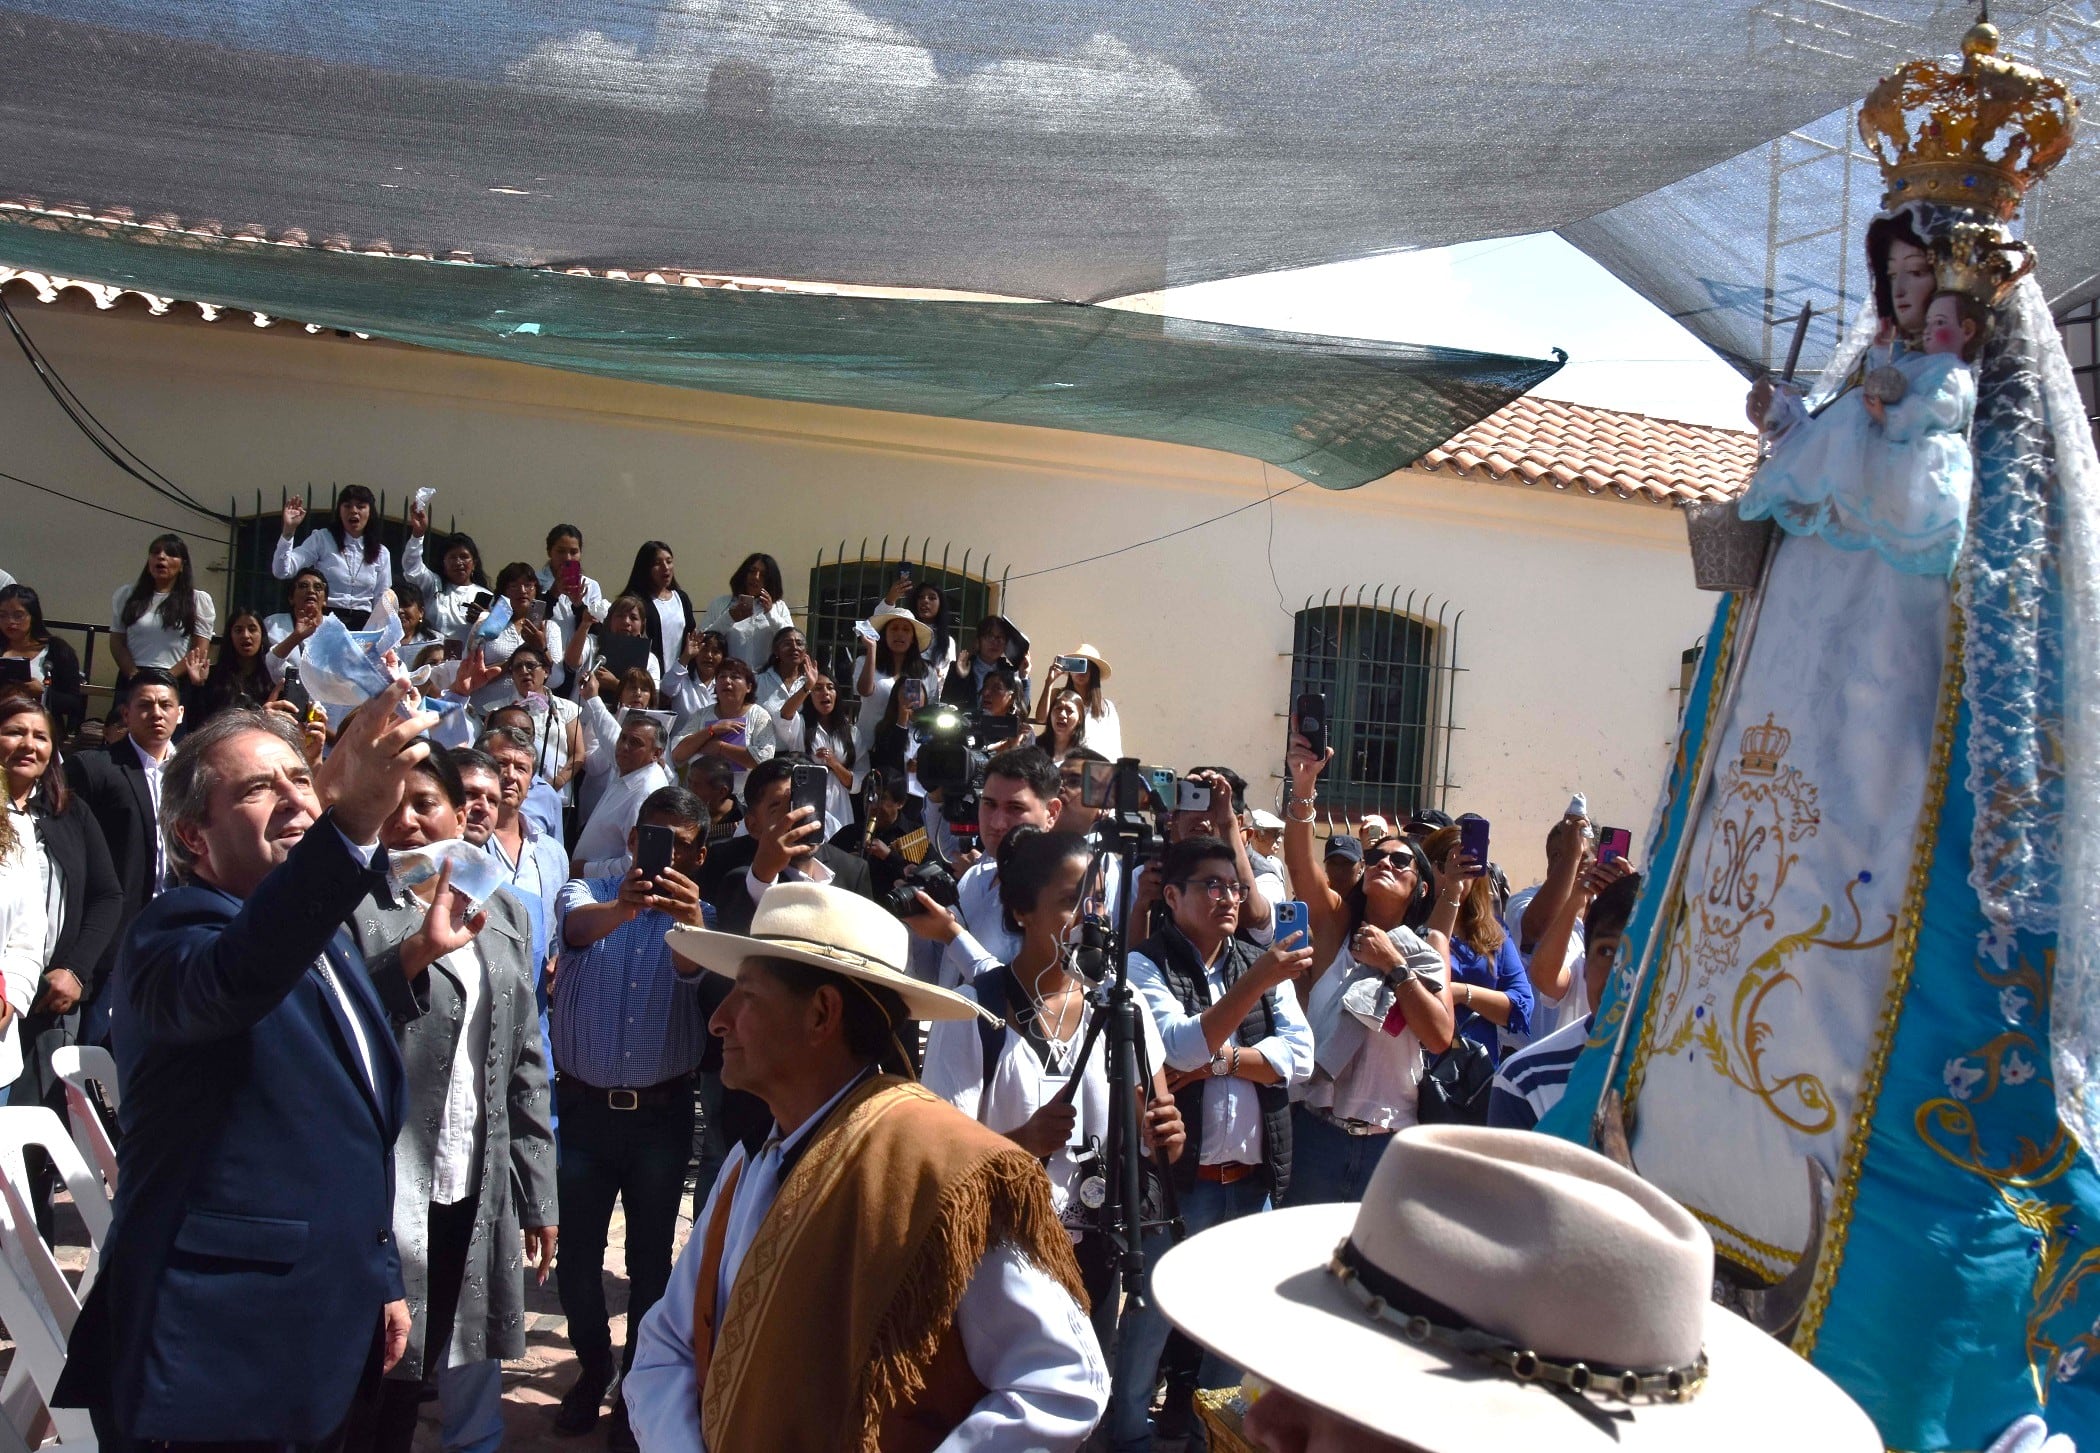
(106, 509)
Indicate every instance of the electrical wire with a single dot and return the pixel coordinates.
(94, 430)
(106, 509)
(1141, 544)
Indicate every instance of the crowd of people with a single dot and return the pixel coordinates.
(514, 936)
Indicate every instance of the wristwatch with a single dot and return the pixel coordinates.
(1220, 1067)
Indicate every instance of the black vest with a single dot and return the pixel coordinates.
(1182, 968)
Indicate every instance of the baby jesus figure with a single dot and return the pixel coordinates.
(1887, 466)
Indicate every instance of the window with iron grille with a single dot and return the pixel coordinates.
(1387, 668)
(844, 592)
(249, 583)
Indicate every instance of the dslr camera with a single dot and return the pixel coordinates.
(928, 877)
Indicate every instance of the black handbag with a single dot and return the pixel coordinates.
(1455, 1084)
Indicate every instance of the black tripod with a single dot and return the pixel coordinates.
(1116, 1195)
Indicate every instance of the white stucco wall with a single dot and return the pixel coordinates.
(1576, 610)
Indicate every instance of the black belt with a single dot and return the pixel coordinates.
(669, 1092)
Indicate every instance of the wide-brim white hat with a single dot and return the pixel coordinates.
(826, 928)
(879, 622)
(1471, 1239)
(1101, 666)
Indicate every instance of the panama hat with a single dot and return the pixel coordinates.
(879, 622)
(1502, 1290)
(826, 928)
(1101, 666)
(1265, 820)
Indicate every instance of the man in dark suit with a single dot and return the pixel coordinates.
(122, 788)
(250, 1289)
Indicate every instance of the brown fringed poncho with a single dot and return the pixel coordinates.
(839, 1332)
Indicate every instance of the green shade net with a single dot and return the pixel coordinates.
(1336, 412)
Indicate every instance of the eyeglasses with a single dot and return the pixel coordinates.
(1231, 888)
(1395, 856)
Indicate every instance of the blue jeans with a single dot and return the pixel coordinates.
(639, 1158)
(1328, 1163)
(1144, 1331)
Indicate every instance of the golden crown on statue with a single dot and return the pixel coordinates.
(1977, 258)
(1763, 746)
(1977, 137)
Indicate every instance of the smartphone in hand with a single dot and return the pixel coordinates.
(1473, 838)
(1613, 843)
(1291, 920)
(652, 849)
(810, 785)
(1311, 720)
(1192, 796)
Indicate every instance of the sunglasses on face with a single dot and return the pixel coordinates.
(1395, 856)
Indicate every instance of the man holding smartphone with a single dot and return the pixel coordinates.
(628, 1037)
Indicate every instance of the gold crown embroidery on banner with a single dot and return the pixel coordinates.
(1977, 137)
(1763, 746)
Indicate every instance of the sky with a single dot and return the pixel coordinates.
(1523, 295)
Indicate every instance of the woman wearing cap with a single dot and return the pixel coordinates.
(896, 653)
(1573, 1316)
(347, 552)
(1373, 954)
(1013, 1075)
(753, 612)
(1103, 728)
(884, 1272)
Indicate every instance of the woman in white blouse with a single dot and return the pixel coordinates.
(654, 582)
(1015, 1079)
(822, 731)
(162, 619)
(519, 584)
(456, 596)
(897, 652)
(753, 612)
(1103, 729)
(784, 685)
(624, 617)
(689, 686)
(736, 728)
(346, 551)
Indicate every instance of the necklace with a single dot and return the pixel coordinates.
(1054, 1032)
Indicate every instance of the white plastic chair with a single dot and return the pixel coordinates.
(38, 1306)
(83, 1066)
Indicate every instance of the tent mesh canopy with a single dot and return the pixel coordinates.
(1701, 149)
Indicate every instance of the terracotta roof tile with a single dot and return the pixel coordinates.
(1604, 452)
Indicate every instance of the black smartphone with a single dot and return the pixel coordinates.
(1311, 714)
(1613, 843)
(811, 784)
(1473, 838)
(13, 670)
(622, 654)
(653, 843)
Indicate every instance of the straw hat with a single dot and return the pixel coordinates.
(1486, 1275)
(826, 928)
(1101, 666)
(880, 622)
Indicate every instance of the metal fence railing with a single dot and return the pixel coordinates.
(1389, 669)
(844, 591)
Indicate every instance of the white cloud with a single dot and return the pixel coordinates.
(827, 62)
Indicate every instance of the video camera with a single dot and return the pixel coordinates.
(952, 757)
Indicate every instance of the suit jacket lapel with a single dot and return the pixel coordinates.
(378, 1086)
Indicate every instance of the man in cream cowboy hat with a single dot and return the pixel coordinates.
(1496, 1290)
(884, 1273)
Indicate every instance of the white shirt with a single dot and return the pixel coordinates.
(1231, 1114)
(45, 871)
(363, 853)
(1022, 1083)
(985, 939)
(457, 1158)
(759, 738)
(795, 734)
(605, 835)
(23, 931)
(153, 771)
(150, 642)
(1548, 1015)
(1025, 1337)
(750, 639)
(444, 605)
(1104, 733)
(352, 584)
(687, 695)
(564, 609)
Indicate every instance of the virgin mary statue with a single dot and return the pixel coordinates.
(1857, 1026)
